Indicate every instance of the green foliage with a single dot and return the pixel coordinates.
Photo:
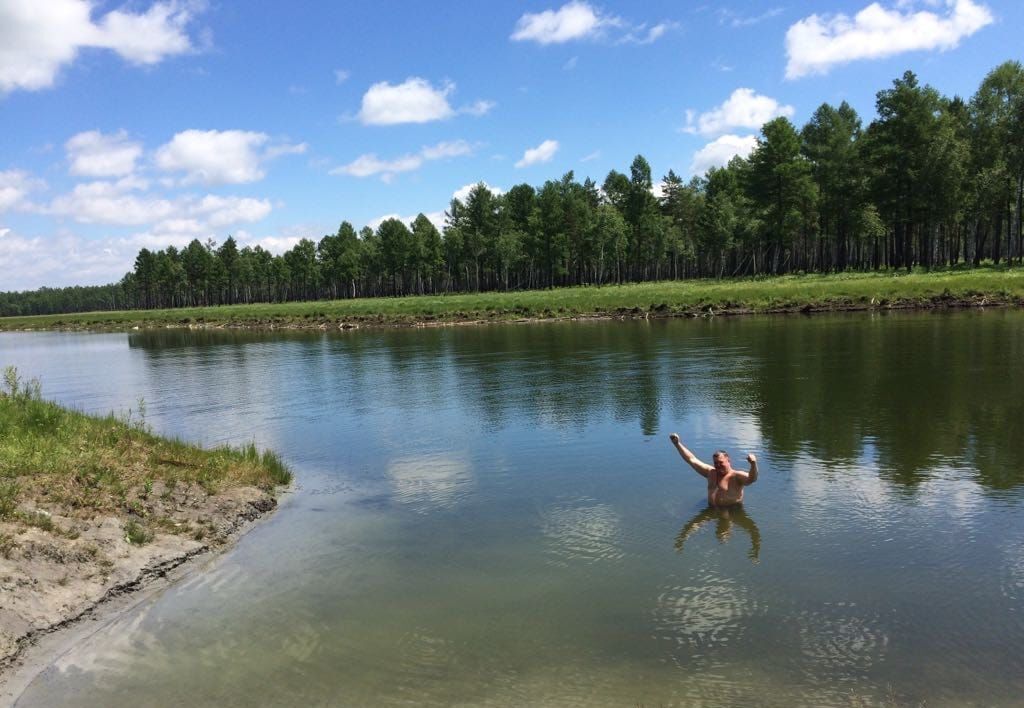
(9, 489)
(932, 181)
(137, 534)
(98, 463)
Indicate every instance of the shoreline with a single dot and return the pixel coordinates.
(663, 311)
(39, 647)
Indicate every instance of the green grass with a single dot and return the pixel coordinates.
(83, 464)
(667, 298)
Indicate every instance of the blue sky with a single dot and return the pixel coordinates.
(153, 123)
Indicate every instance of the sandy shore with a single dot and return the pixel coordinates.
(60, 585)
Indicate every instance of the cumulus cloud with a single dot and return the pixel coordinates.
(574, 20)
(126, 203)
(93, 154)
(745, 108)
(413, 101)
(38, 38)
(220, 156)
(463, 192)
(369, 165)
(30, 262)
(578, 20)
(113, 203)
(817, 43)
(718, 152)
(437, 218)
(222, 211)
(542, 153)
(15, 186)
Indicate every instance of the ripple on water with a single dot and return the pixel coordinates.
(840, 642)
(707, 612)
(430, 482)
(582, 530)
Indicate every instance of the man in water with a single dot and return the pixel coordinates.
(725, 485)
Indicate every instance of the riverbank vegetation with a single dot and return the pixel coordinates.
(55, 460)
(94, 507)
(845, 291)
(931, 181)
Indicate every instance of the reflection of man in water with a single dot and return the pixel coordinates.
(726, 517)
(725, 485)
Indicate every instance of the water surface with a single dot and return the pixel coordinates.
(494, 516)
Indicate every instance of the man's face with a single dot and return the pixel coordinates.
(721, 461)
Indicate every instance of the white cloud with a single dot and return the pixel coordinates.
(450, 148)
(60, 259)
(579, 20)
(745, 108)
(817, 43)
(478, 108)
(736, 19)
(121, 203)
(341, 76)
(463, 192)
(542, 153)
(220, 156)
(93, 154)
(641, 34)
(718, 152)
(369, 165)
(38, 38)
(15, 186)
(110, 203)
(221, 211)
(65, 258)
(414, 101)
(574, 20)
(592, 156)
(148, 37)
(437, 218)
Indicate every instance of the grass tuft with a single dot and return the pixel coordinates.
(89, 464)
(137, 534)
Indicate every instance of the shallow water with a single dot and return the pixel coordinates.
(494, 516)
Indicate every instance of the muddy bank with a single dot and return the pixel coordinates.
(60, 569)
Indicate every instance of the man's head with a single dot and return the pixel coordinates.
(721, 461)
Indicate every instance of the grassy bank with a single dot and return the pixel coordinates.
(671, 298)
(92, 508)
(55, 460)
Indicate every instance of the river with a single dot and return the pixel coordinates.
(493, 515)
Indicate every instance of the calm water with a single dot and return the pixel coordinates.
(494, 515)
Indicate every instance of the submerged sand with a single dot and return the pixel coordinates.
(55, 575)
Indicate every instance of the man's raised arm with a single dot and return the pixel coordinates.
(699, 467)
(752, 474)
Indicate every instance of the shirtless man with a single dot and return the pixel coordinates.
(725, 485)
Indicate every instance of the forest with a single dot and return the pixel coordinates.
(930, 182)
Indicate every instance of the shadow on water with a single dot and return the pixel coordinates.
(724, 518)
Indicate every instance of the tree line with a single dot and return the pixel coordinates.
(931, 181)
